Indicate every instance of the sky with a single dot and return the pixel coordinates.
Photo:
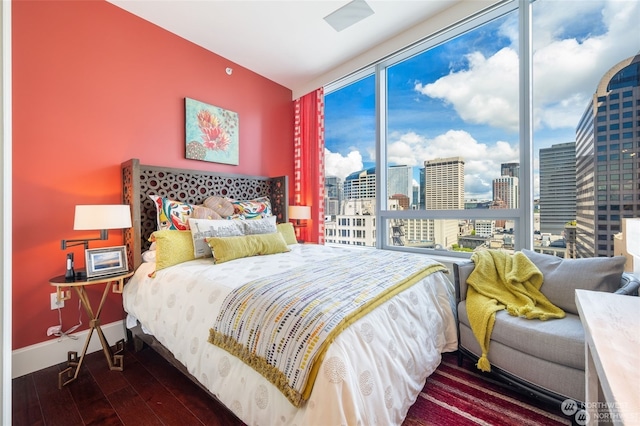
(461, 98)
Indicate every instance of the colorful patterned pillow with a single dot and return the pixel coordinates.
(202, 229)
(252, 209)
(172, 214)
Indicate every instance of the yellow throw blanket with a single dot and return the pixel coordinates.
(500, 280)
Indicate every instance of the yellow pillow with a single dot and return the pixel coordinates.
(172, 247)
(287, 231)
(229, 248)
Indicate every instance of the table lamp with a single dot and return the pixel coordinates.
(99, 217)
(299, 213)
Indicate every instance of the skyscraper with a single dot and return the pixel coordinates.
(444, 190)
(361, 184)
(607, 151)
(333, 195)
(400, 181)
(444, 183)
(510, 169)
(505, 189)
(557, 187)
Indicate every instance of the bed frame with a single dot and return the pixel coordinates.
(190, 186)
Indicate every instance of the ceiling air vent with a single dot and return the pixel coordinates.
(349, 14)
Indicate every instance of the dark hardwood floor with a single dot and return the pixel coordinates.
(148, 392)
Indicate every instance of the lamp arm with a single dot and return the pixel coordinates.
(64, 244)
(104, 234)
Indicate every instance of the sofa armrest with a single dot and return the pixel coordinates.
(461, 271)
(629, 284)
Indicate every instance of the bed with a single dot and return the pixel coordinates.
(369, 372)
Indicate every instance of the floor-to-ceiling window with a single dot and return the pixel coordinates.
(350, 146)
(453, 165)
(586, 170)
(451, 124)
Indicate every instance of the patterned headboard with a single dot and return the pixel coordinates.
(190, 186)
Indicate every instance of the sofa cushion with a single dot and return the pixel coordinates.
(561, 277)
(560, 341)
(564, 381)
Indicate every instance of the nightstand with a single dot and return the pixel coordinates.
(114, 357)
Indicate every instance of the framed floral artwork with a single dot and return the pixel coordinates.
(212, 133)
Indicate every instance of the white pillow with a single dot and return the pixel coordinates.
(260, 226)
(149, 256)
(207, 228)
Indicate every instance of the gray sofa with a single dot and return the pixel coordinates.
(546, 359)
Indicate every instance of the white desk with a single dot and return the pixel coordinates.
(612, 349)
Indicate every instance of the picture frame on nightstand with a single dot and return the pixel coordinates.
(102, 262)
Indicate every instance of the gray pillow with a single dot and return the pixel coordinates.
(561, 277)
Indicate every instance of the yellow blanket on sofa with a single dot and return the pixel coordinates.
(501, 280)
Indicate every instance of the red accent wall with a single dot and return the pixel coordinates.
(94, 86)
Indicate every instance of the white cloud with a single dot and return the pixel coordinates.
(486, 93)
(482, 161)
(566, 69)
(341, 166)
(572, 52)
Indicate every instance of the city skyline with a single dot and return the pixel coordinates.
(590, 184)
(433, 109)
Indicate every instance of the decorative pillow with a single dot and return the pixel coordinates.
(226, 249)
(260, 226)
(220, 205)
(288, 232)
(252, 209)
(203, 228)
(202, 212)
(172, 247)
(172, 214)
(561, 277)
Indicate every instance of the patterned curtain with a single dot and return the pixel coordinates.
(308, 157)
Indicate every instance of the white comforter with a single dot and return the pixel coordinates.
(371, 374)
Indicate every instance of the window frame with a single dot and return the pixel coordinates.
(522, 216)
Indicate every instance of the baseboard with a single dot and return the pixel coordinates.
(42, 355)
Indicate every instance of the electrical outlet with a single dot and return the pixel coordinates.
(54, 302)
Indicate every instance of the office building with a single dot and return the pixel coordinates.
(444, 183)
(360, 184)
(510, 169)
(400, 181)
(607, 151)
(505, 189)
(557, 187)
(444, 190)
(332, 195)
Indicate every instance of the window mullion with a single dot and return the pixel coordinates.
(524, 229)
(381, 154)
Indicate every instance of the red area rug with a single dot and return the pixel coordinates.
(465, 396)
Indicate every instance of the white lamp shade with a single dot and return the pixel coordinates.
(108, 216)
(299, 212)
